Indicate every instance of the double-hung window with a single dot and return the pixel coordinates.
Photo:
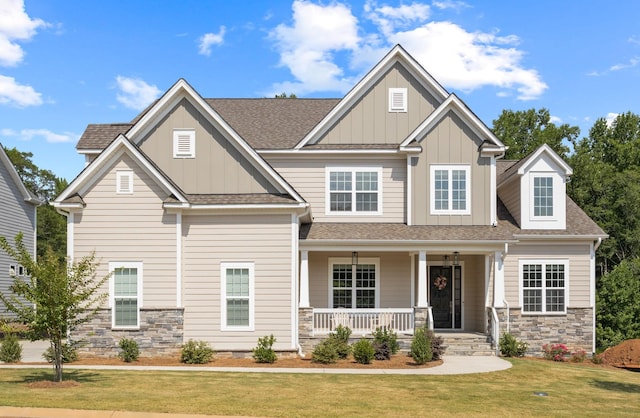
(544, 286)
(353, 285)
(126, 294)
(542, 196)
(237, 285)
(450, 190)
(354, 191)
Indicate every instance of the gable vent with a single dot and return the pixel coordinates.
(124, 182)
(397, 100)
(184, 143)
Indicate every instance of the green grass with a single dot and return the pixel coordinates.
(572, 391)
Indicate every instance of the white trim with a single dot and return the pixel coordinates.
(423, 299)
(453, 296)
(179, 259)
(398, 99)
(493, 194)
(409, 192)
(124, 176)
(182, 137)
(545, 149)
(352, 152)
(113, 265)
(498, 280)
(70, 236)
(528, 217)
(223, 295)
(294, 281)
(304, 279)
(412, 258)
(432, 189)
(347, 260)
(544, 262)
(353, 170)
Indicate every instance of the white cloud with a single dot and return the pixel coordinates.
(312, 46)
(611, 117)
(15, 25)
(633, 62)
(47, 135)
(136, 93)
(210, 39)
(634, 40)
(18, 95)
(555, 119)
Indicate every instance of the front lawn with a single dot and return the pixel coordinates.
(570, 390)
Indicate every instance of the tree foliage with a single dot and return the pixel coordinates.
(524, 131)
(55, 298)
(52, 227)
(618, 304)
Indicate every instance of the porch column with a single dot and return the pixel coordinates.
(498, 280)
(304, 279)
(422, 280)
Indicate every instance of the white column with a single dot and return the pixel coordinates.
(179, 259)
(304, 279)
(498, 281)
(422, 280)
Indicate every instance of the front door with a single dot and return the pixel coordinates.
(445, 296)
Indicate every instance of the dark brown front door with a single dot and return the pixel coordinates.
(441, 287)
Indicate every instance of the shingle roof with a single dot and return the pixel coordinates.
(98, 136)
(238, 199)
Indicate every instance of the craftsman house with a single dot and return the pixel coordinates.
(18, 206)
(226, 220)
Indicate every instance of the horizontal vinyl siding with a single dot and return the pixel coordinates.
(579, 269)
(510, 196)
(130, 227)
(208, 241)
(308, 177)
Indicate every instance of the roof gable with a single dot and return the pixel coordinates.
(15, 178)
(544, 152)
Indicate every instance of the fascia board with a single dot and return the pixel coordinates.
(396, 54)
(546, 149)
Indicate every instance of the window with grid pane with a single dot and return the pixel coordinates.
(450, 189)
(543, 287)
(342, 285)
(354, 286)
(352, 191)
(237, 296)
(543, 196)
(126, 285)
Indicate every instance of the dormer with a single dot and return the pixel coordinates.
(534, 190)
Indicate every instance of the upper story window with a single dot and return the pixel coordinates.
(124, 182)
(398, 99)
(184, 143)
(543, 286)
(543, 196)
(354, 191)
(450, 190)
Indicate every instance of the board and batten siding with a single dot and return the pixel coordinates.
(266, 241)
(579, 269)
(130, 227)
(17, 215)
(308, 177)
(369, 120)
(218, 167)
(451, 142)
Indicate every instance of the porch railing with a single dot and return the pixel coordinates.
(495, 330)
(362, 321)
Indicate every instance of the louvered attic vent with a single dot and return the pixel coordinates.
(184, 143)
(397, 100)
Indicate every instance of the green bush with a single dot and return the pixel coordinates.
(325, 352)
(421, 347)
(69, 353)
(130, 351)
(437, 347)
(10, 349)
(264, 353)
(382, 336)
(382, 350)
(340, 341)
(363, 351)
(511, 347)
(196, 352)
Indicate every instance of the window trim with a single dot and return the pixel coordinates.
(432, 194)
(113, 265)
(177, 133)
(535, 176)
(544, 263)
(224, 266)
(347, 260)
(393, 91)
(353, 170)
(124, 175)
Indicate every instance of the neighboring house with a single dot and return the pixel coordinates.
(226, 220)
(18, 206)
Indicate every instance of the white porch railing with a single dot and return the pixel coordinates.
(362, 321)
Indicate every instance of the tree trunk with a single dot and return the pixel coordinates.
(57, 359)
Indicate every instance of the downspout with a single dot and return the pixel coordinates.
(595, 248)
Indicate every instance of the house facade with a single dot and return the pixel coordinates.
(226, 220)
(18, 206)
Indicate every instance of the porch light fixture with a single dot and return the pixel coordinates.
(456, 258)
(354, 258)
(445, 261)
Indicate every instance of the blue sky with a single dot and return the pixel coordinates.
(65, 64)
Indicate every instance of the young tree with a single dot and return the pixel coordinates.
(525, 130)
(55, 297)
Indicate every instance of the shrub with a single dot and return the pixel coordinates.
(130, 351)
(382, 350)
(10, 349)
(325, 352)
(437, 345)
(69, 353)
(597, 358)
(578, 356)
(196, 352)
(363, 351)
(555, 352)
(511, 347)
(340, 341)
(384, 335)
(264, 353)
(421, 347)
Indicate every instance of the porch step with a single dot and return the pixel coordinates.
(467, 344)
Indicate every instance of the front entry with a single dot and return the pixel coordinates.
(445, 293)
